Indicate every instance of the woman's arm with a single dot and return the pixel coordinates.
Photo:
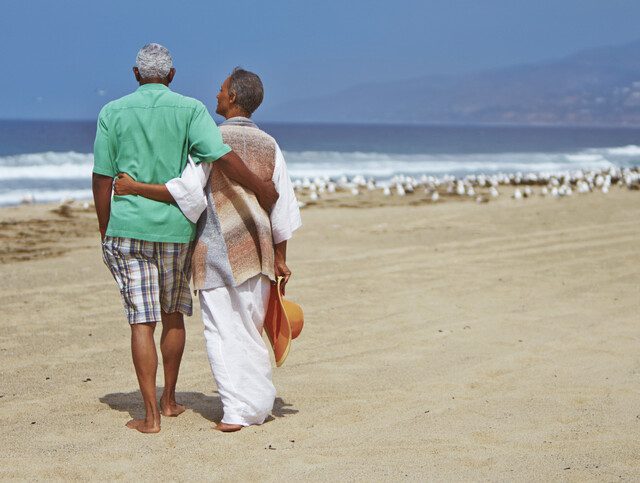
(285, 217)
(187, 191)
(230, 164)
(126, 185)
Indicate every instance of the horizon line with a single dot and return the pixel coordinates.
(372, 123)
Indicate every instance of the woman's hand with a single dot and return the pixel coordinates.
(280, 265)
(281, 270)
(124, 185)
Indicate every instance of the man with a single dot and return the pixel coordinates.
(148, 134)
(239, 248)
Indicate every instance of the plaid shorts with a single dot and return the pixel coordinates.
(152, 276)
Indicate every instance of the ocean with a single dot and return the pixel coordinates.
(51, 160)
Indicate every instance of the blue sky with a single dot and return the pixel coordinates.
(65, 58)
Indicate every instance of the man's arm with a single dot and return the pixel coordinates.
(103, 172)
(206, 144)
(236, 170)
(102, 200)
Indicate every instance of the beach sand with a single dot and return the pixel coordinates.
(455, 341)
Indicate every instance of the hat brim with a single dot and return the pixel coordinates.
(283, 322)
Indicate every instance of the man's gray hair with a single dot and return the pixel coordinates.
(154, 61)
(248, 88)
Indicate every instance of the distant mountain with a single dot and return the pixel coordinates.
(598, 86)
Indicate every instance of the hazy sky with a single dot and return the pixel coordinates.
(66, 58)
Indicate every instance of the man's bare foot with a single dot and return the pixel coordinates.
(143, 426)
(227, 428)
(171, 410)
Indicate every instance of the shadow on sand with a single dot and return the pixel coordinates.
(209, 407)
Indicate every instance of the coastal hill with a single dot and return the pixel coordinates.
(599, 86)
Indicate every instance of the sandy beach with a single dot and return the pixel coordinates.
(449, 341)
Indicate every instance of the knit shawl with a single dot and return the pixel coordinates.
(234, 241)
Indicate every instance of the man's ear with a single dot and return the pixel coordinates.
(232, 97)
(172, 72)
(136, 73)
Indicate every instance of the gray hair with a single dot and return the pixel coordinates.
(154, 61)
(248, 89)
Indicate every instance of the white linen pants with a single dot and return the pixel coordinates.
(233, 318)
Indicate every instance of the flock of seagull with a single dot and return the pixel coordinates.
(480, 187)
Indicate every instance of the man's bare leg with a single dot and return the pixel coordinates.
(172, 347)
(145, 360)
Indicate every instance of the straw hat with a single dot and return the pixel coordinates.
(283, 322)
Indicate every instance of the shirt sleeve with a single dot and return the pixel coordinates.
(285, 215)
(205, 139)
(188, 189)
(102, 159)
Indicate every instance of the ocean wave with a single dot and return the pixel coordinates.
(57, 171)
(630, 150)
(331, 163)
(47, 165)
(14, 197)
(585, 158)
(48, 158)
(51, 176)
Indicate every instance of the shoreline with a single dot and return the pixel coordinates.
(520, 184)
(28, 230)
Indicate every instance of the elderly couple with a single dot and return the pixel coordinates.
(174, 168)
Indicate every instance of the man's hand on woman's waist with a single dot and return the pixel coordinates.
(235, 169)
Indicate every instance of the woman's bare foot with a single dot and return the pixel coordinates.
(227, 428)
(144, 426)
(171, 409)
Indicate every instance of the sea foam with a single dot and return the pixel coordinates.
(47, 165)
(383, 165)
(630, 150)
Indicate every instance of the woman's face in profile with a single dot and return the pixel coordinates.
(223, 98)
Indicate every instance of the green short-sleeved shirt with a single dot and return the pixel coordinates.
(148, 135)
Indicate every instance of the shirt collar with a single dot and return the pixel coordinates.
(240, 121)
(152, 87)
